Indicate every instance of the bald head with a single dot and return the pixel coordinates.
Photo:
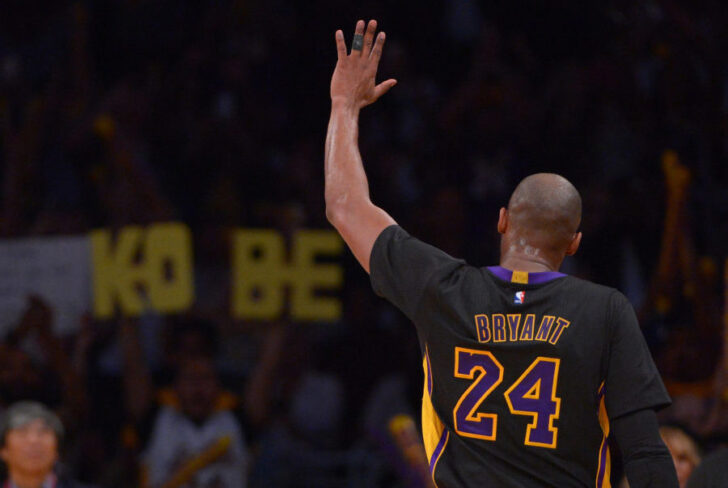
(545, 209)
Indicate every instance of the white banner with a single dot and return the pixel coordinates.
(57, 269)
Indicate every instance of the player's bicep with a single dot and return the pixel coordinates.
(360, 225)
(633, 382)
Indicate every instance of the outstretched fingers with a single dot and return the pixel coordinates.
(378, 47)
(369, 38)
(355, 73)
(357, 42)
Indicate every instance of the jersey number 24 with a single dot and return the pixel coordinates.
(533, 394)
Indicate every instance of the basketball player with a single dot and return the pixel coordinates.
(530, 374)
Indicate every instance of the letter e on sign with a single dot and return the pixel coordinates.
(261, 273)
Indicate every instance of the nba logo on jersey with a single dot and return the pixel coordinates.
(518, 298)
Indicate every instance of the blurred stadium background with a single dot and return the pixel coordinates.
(165, 250)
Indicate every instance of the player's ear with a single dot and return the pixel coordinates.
(574, 244)
(502, 220)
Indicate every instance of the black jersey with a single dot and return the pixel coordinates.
(522, 370)
(712, 472)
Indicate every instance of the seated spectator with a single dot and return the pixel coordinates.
(31, 434)
(684, 452)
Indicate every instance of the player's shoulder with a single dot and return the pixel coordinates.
(593, 290)
(597, 299)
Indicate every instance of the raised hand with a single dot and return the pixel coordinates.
(353, 83)
(677, 175)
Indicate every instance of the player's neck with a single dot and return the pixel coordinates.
(532, 264)
(524, 253)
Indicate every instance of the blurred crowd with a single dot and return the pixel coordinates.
(214, 114)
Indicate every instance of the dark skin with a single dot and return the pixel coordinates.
(348, 206)
(539, 227)
(197, 387)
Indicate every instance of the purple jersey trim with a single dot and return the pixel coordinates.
(533, 278)
(438, 451)
(429, 372)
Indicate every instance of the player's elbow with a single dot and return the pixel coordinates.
(335, 214)
(342, 213)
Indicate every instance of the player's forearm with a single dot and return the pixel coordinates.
(346, 183)
(647, 462)
(652, 470)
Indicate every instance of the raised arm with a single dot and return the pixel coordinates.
(138, 386)
(38, 319)
(666, 282)
(348, 206)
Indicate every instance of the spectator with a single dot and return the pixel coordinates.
(31, 435)
(195, 435)
(684, 452)
(196, 432)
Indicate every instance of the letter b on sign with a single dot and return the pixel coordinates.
(261, 274)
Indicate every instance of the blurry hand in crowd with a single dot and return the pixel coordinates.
(19, 378)
(677, 175)
(37, 317)
(87, 335)
(353, 82)
(36, 323)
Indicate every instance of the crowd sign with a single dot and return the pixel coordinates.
(134, 270)
(142, 269)
(54, 268)
(261, 274)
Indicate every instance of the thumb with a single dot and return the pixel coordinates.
(383, 87)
